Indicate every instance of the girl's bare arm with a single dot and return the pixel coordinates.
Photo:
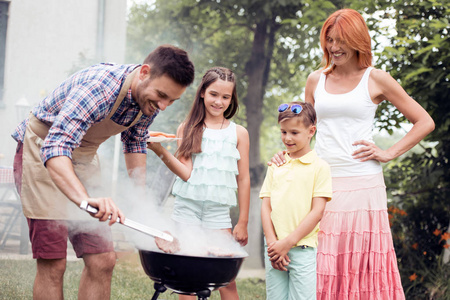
(181, 167)
(243, 182)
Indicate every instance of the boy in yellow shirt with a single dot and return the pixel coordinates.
(294, 196)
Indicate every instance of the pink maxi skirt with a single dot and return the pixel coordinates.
(355, 256)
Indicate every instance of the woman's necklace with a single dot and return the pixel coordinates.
(223, 121)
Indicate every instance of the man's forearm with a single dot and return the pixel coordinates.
(136, 166)
(61, 171)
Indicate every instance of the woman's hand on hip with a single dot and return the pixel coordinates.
(369, 151)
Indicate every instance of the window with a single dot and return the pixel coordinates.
(4, 6)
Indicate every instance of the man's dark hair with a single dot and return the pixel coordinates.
(172, 61)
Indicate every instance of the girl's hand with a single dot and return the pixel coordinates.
(278, 250)
(240, 233)
(278, 159)
(154, 146)
(370, 151)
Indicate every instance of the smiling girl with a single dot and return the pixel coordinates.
(211, 162)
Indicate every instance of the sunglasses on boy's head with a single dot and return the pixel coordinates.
(295, 108)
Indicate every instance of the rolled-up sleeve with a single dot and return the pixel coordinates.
(85, 105)
(134, 139)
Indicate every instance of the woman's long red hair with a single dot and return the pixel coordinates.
(348, 26)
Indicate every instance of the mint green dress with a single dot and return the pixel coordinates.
(213, 176)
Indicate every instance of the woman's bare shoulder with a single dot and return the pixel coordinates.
(311, 84)
(380, 75)
(314, 76)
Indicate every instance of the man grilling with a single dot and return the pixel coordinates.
(56, 164)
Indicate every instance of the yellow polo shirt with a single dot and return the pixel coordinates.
(291, 188)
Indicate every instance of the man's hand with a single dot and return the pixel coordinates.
(107, 209)
(103, 209)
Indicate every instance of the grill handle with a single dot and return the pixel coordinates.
(131, 224)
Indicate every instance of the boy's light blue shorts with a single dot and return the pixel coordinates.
(299, 282)
(207, 214)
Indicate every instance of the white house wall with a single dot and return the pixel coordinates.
(44, 43)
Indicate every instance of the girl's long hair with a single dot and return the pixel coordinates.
(193, 125)
(350, 28)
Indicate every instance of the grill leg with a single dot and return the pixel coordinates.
(159, 288)
(203, 295)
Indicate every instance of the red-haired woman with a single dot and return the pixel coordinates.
(356, 257)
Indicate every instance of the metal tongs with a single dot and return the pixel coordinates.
(131, 224)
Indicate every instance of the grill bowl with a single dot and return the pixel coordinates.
(190, 274)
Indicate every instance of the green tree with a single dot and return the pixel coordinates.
(271, 46)
(419, 57)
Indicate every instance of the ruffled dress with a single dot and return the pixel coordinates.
(355, 254)
(213, 176)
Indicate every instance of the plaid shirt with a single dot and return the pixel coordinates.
(6, 175)
(82, 100)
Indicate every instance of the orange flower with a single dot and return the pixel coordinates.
(445, 236)
(392, 209)
(415, 246)
(436, 232)
(446, 246)
(424, 252)
(413, 277)
(403, 213)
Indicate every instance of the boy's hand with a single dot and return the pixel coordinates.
(278, 159)
(282, 264)
(278, 250)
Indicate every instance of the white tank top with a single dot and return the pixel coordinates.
(341, 120)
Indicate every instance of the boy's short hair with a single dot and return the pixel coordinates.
(307, 115)
(172, 61)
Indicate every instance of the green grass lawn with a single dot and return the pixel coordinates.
(129, 281)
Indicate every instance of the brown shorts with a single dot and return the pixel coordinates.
(49, 237)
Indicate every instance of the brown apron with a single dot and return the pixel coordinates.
(40, 197)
